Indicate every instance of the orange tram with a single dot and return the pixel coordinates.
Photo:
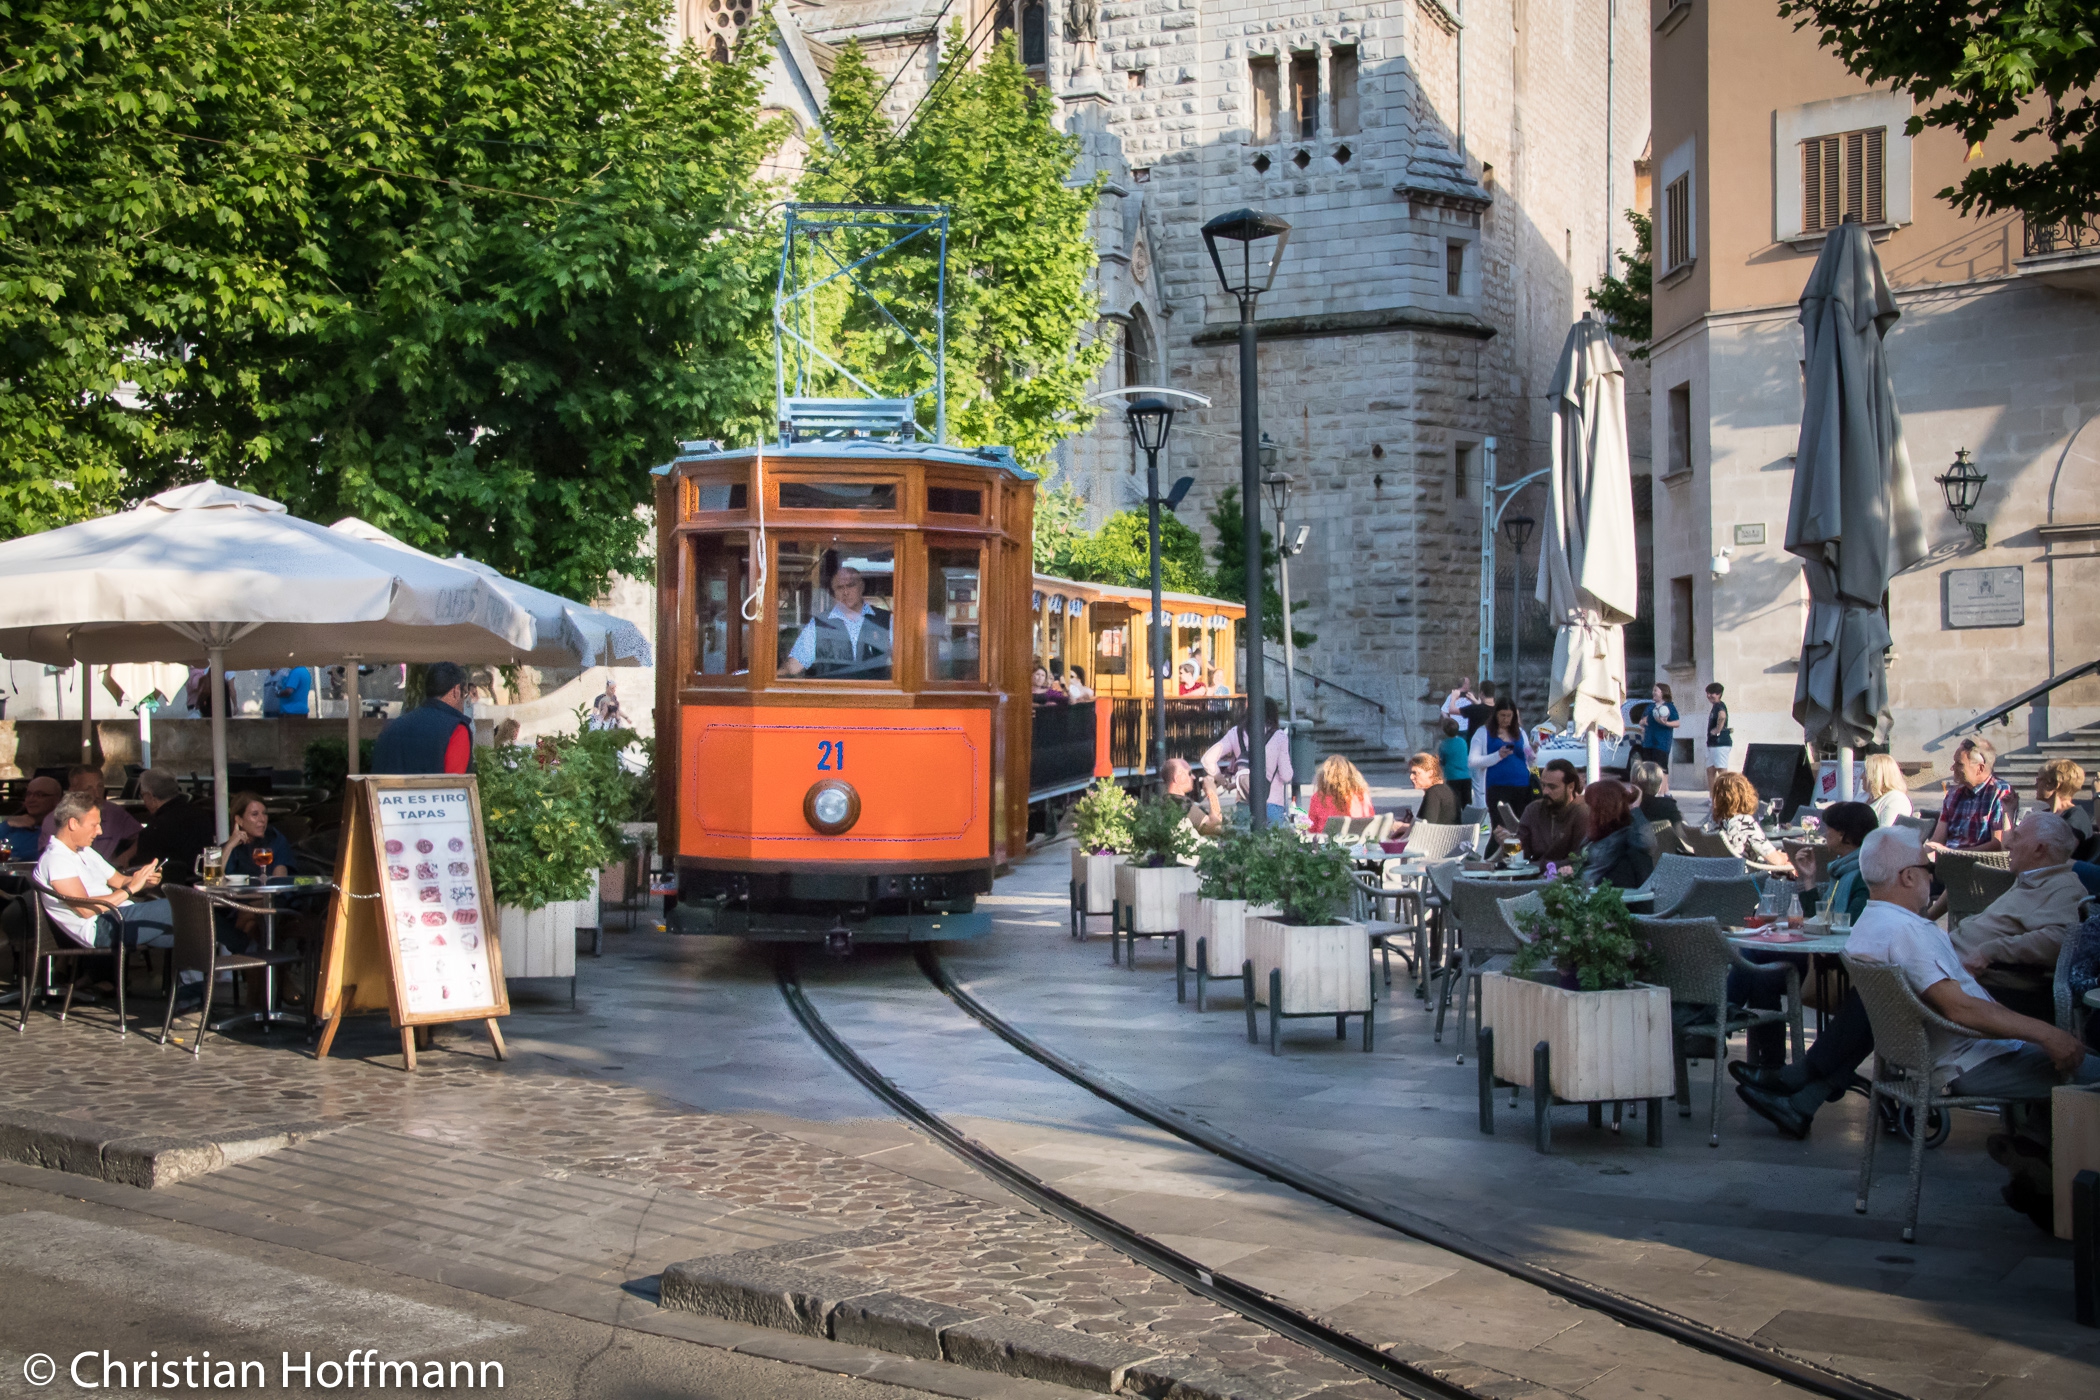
(847, 746)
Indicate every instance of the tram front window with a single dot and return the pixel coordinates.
(836, 598)
(954, 614)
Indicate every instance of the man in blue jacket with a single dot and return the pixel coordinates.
(435, 737)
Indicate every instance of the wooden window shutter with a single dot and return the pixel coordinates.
(1874, 205)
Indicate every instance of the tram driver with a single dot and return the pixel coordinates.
(849, 641)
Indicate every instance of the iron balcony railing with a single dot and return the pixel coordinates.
(2060, 236)
(1193, 724)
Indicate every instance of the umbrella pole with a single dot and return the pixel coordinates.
(1596, 770)
(217, 657)
(350, 694)
(1844, 773)
(87, 713)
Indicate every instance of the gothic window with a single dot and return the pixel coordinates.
(1305, 94)
(714, 25)
(1341, 85)
(1140, 361)
(1035, 34)
(1267, 98)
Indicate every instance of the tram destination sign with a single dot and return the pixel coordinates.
(1986, 597)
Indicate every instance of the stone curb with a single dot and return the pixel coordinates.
(145, 1160)
(762, 1291)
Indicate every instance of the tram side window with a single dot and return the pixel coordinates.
(836, 600)
(721, 583)
(954, 614)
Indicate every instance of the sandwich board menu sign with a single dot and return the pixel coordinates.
(414, 930)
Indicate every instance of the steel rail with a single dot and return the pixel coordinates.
(1633, 1312)
(1249, 1302)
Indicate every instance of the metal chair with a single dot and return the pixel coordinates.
(1674, 875)
(1693, 959)
(1918, 824)
(1366, 899)
(1672, 839)
(1972, 880)
(1727, 901)
(1434, 841)
(1709, 845)
(1487, 943)
(1439, 876)
(46, 943)
(1473, 816)
(196, 949)
(1903, 1073)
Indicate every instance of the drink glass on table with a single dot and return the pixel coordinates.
(213, 863)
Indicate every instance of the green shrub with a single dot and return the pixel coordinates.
(327, 762)
(1160, 834)
(552, 811)
(1101, 819)
(1310, 883)
(1588, 932)
(1230, 868)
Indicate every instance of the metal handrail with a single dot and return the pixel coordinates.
(1317, 679)
(2004, 711)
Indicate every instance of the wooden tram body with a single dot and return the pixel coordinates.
(813, 777)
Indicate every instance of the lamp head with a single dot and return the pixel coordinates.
(1963, 487)
(1268, 453)
(1278, 485)
(1150, 419)
(1248, 269)
(1518, 528)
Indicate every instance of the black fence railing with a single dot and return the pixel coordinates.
(1192, 725)
(1063, 751)
(2060, 236)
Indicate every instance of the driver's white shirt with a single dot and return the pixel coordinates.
(805, 648)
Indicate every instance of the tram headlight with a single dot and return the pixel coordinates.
(831, 806)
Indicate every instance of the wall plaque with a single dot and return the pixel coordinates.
(1986, 597)
(1750, 534)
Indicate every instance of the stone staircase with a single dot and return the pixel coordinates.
(2021, 766)
(1361, 749)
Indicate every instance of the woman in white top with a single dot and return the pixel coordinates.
(1220, 758)
(87, 885)
(1887, 790)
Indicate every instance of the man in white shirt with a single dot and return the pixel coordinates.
(119, 831)
(2008, 1055)
(849, 641)
(88, 886)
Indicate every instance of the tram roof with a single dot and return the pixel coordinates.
(1117, 593)
(854, 449)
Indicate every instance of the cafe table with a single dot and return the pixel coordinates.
(1813, 940)
(269, 900)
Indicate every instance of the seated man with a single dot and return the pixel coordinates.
(1201, 808)
(87, 886)
(2011, 947)
(1556, 824)
(22, 836)
(177, 829)
(120, 829)
(848, 641)
(1977, 812)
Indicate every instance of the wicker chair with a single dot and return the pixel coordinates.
(1709, 845)
(1436, 842)
(1727, 902)
(1693, 960)
(1673, 839)
(1972, 880)
(1488, 939)
(2077, 970)
(1903, 1072)
(196, 949)
(1436, 904)
(45, 944)
(1674, 875)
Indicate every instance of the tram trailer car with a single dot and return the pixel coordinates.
(843, 707)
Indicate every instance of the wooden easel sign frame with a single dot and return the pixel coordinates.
(414, 928)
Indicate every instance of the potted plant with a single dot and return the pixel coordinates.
(1575, 986)
(1306, 960)
(1101, 834)
(1231, 885)
(1155, 872)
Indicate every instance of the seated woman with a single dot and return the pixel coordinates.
(258, 849)
(1617, 853)
(1339, 790)
(1735, 818)
(1189, 679)
(1439, 803)
(1845, 829)
(1046, 690)
(1076, 689)
(1888, 790)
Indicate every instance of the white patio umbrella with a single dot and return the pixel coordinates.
(565, 633)
(1854, 519)
(209, 574)
(1587, 577)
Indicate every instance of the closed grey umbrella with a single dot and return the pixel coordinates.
(1854, 519)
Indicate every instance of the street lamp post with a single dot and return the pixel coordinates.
(1151, 418)
(1517, 530)
(1287, 548)
(1246, 275)
(1495, 501)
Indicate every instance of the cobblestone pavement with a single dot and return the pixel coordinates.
(989, 1255)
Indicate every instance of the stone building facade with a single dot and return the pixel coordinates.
(1761, 140)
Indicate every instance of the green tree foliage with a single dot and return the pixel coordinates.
(1230, 581)
(1120, 552)
(1975, 66)
(1628, 303)
(1060, 522)
(985, 144)
(465, 271)
(150, 189)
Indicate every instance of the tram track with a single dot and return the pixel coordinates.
(1249, 1302)
(1623, 1308)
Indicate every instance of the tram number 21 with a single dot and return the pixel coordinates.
(831, 755)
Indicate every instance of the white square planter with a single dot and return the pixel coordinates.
(1604, 1045)
(1214, 938)
(1094, 885)
(1326, 967)
(539, 942)
(1150, 896)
